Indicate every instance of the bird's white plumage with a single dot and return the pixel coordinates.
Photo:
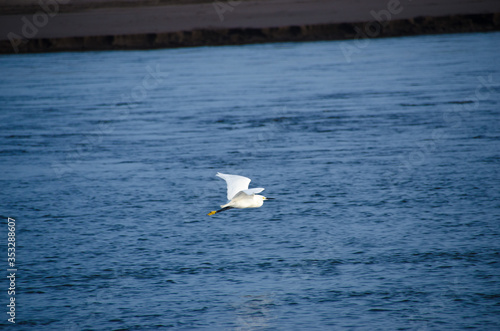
(238, 193)
(235, 184)
(251, 191)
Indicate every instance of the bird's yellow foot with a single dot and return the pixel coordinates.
(211, 213)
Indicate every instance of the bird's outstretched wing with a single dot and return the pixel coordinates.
(235, 184)
(250, 191)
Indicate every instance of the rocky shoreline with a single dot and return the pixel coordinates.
(239, 36)
(89, 25)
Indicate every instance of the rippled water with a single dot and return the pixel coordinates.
(385, 171)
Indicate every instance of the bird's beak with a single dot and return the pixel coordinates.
(269, 198)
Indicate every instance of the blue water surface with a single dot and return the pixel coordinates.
(384, 165)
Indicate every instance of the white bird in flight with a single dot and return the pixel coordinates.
(239, 195)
